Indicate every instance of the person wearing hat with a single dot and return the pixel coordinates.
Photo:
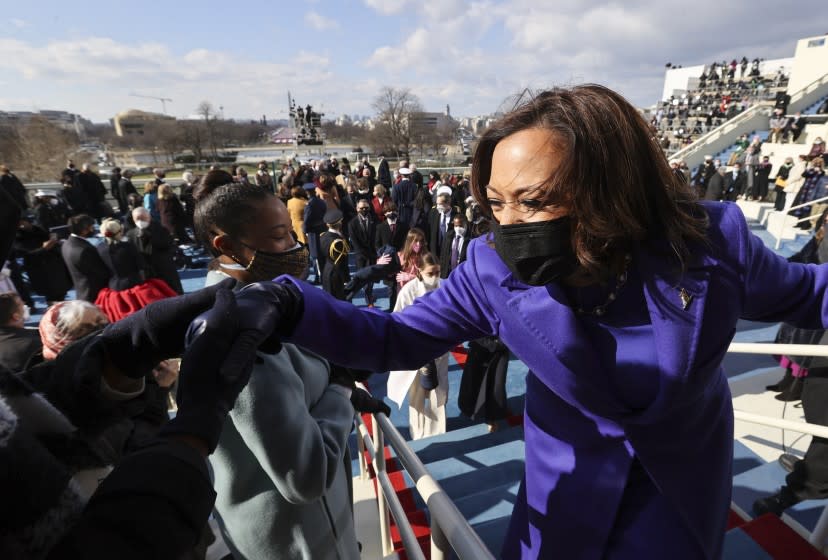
(313, 225)
(333, 254)
(403, 194)
(49, 210)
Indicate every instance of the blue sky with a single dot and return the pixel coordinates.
(88, 56)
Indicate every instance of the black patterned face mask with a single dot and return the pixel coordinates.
(537, 253)
(265, 265)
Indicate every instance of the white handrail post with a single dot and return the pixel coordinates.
(820, 533)
(363, 463)
(440, 547)
(781, 230)
(379, 466)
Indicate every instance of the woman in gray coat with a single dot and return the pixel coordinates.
(280, 466)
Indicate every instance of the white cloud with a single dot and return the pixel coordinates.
(18, 23)
(470, 54)
(78, 67)
(387, 7)
(319, 22)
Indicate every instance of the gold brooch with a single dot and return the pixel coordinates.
(686, 298)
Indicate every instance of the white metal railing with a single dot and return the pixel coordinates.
(449, 529)
(729, 125)
(725, 128)
(819, 536)
(805, 90)
(784, 222)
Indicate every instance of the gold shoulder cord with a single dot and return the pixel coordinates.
(339, 248)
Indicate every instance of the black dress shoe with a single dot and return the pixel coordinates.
(787, 461)
(775, 504)
(792, 393)
(783, 383)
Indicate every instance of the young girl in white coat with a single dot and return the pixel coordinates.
(426, 406)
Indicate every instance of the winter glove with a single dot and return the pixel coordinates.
(364, 402)
(215, 368)
(341, 376)
(138, 343)
(271, 309)
(428, 376)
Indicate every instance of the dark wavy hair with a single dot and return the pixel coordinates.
(613, 176)
(225, 205)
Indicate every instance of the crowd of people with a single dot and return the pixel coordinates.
(719, 96)
(395, 225)
(597, 290)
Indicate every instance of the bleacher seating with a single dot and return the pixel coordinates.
(679, 120)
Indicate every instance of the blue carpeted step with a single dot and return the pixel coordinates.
(744, 459)
(465, 473)
(493, 533)
(490, 504)
(766, 480)
(460, 441)
(738, 545)
(812, 109)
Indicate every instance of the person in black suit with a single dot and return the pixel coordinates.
(11, 184)
(716, 186)
(74, 196)
(384, 173)
(157, 247)
(125, 188)
(89, 273)
(95, 192)
(391, 232)
(403, 194)
(734, 183)
(362, 231)
(18, 345)
(335, 249)
(416, 176)
(455, 245)
(796, 125)
(440, 219)
(314, 224)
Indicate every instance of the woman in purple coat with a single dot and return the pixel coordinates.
(621, 294)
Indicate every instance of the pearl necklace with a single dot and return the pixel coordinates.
(620, 281)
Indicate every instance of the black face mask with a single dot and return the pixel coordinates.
(266, 265)
(537, 253)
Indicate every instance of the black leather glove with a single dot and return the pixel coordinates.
(272, 309)
(214, 370)
(136, 344)
(364, 402)
(341, 376)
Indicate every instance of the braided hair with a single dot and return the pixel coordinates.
(225, 205)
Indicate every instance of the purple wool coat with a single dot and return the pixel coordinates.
(581, 436)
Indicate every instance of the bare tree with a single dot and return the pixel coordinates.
(206, 111)
(193, 138)
(394, 108)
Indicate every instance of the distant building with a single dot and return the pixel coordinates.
(63, 119)
(133, 121)
(433, 120)
(478, 124)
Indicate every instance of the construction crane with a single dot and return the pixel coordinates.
(163, 100)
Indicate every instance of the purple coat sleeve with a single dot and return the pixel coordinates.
(378, 341)
(774, 289)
